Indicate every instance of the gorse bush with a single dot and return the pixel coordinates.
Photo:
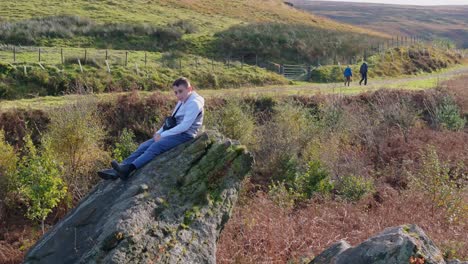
(40, 180)
(125, 145)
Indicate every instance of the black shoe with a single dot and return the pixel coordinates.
(108, 174)
(123, 170)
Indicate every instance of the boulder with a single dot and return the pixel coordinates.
(170, 211)
(330, 253)
(394, 245)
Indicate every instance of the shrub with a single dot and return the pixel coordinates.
(396, 111)
(125, 145)
(283, 137)
(443, 112)
(447, 115)
(353, 188)
(8, 163)
(235, 120)
(299, 186)
(316, 179)
(443, 185)
(41, 182)
(282, 195)
(75, 135)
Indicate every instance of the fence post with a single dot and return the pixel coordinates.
(39, 54)
(14, 54)
(126, 58)
(108, 67)
(145, 58)
(106, 54)
(81, 67)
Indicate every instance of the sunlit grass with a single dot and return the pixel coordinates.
(422, 82)
(209, 15)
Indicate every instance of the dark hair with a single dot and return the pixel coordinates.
(181, 81)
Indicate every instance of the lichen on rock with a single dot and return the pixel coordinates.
(170, 211)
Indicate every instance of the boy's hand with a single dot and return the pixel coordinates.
(156, 137)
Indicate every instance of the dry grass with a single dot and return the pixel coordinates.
(459, 88)
(261, 232)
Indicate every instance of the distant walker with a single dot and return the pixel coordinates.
(347, 74)
(363, 71)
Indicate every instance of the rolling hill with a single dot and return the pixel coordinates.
(425, 21)
(210, 16)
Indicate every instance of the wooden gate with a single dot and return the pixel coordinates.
(296, 72)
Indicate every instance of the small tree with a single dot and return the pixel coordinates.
(443, 186)
(75, 134)
(41, 182)
(125, 145)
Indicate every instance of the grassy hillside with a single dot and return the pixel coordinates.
(214, 32)
(210, 16)
(187, 26)
(424, 21)
(394, 62)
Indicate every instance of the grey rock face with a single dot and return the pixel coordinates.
(170, 211)
(393, 246)
(328, 256)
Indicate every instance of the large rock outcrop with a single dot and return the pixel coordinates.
(170, 211)
(395, 245)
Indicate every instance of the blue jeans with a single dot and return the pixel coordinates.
(149, 149)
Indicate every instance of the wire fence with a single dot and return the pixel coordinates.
(28, 56)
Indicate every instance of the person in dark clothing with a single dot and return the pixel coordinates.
(363, 71)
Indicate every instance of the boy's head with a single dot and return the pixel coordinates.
(182, 88)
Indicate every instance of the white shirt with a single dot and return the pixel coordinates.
(189, 117)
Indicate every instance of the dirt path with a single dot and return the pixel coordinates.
(419, 82)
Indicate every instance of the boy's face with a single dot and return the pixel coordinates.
(182, 92)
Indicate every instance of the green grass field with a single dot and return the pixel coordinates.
(210, 15)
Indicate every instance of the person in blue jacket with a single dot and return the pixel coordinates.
(347, 74)
(188, 115)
